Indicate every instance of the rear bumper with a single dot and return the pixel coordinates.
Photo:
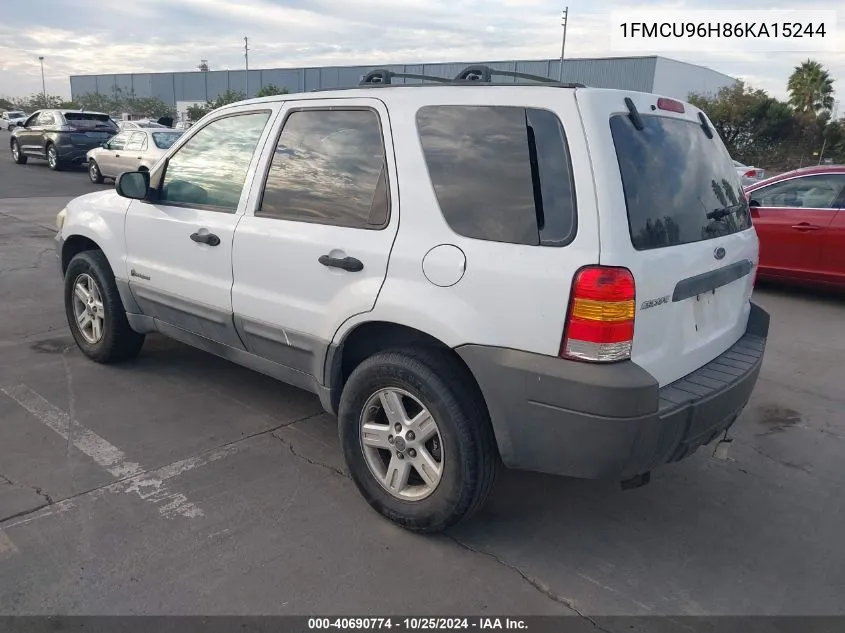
(611, 421)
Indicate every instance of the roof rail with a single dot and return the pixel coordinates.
(384, 76)
(485, 74)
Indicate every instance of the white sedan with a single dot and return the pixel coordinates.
(749, 175)
(131, 150)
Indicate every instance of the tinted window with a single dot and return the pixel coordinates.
(90, 121)
(680, 186)
(329, 167)
(165, 140)
(500, 173)
(211, 167)
(136, 142)
(816, 192)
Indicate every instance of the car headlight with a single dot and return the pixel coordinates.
(60, 219)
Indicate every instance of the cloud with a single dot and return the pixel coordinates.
(76, 37)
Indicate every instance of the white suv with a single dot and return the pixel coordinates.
(549, 276)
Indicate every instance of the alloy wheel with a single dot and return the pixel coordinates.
(402, 444)
(88, 308)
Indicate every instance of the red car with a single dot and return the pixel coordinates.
(800, 220)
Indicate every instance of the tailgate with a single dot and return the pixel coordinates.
(672, 211)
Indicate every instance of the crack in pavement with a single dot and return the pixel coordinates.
(38, 490)
(313, 462)
(135, 475)
(34, 266)
(535, 583)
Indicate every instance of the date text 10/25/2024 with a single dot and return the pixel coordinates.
(417, 624)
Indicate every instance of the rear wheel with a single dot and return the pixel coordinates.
(417, 439)
(17, 154)
(95, 313)
(94, 172)
(53, 158)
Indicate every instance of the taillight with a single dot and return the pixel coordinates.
(600, 324)
(751, 173)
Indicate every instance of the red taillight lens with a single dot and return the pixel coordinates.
(670, 104)
(600, 324)
(751, 173)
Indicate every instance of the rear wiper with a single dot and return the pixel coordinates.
(718, 214)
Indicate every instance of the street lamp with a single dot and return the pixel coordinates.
(43, 85)
(563, 43)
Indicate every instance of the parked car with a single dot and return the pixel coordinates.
(61, 137)
(130, 151)
(800, 220)
(568, 290)
(140, 125)
(10, 120)
(749, 175)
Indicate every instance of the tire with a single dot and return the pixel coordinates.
(17, 155)
(94, 172)
(53, 158)
(469, 459)
(117, 341)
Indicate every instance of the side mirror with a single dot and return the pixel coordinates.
(133, 185)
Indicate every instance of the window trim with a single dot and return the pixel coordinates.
(185, 139)
(840, 196)
(327, 108)
(547, 243)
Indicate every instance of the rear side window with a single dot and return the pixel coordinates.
(500, 173)
(329, 168)
(680, 186)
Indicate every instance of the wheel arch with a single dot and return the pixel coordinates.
(371, 337)
(75, 244)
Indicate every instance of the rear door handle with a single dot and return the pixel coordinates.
(346, 263)
(805, 226)
(206, 238)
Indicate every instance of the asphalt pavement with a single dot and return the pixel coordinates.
(181, 484)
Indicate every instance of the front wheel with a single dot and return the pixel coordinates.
(417, 439)
(53, 158)
(95, 313)
(17, 154)
(94, 172)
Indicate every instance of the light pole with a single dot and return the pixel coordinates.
(43, 85)
(246, 58)
(563, 43)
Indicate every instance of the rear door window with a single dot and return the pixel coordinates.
(820, 191)
(680, 186)
(500, 173)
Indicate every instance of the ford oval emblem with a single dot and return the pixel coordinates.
(719, 253)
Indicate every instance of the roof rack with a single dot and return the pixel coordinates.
(384, 76)
(485, 74)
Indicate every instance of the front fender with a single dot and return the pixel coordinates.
(100, 218)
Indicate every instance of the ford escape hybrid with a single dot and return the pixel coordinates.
(546, 276)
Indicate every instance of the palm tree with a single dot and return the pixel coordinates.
(810, 88)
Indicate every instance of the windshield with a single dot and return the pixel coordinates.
(164, 140)
(90, 120)
(15, 115)
(680, 186)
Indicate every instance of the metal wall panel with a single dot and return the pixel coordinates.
(678, 79)
(647, 74)
(123, 84)
(217, 82)
(142, 85)
(82, 85)
(163, 87)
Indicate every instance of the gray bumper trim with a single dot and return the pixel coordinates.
(610, 421)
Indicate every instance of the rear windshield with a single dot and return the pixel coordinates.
(88, 120)
(15, 115)
(164, 140)
(680, 186)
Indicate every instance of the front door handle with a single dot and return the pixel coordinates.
(805, 226)
(206, 238)
(346, 263)
(117, 155)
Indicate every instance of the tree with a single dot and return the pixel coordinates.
(270, 90)
(810, 88)
(196, 112)
(750, 122)
(149, 107)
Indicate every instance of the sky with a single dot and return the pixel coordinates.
(81, 37)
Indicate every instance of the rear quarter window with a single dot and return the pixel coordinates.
(500, 173)
(680, 186)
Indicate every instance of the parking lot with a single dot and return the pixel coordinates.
(206, 488)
